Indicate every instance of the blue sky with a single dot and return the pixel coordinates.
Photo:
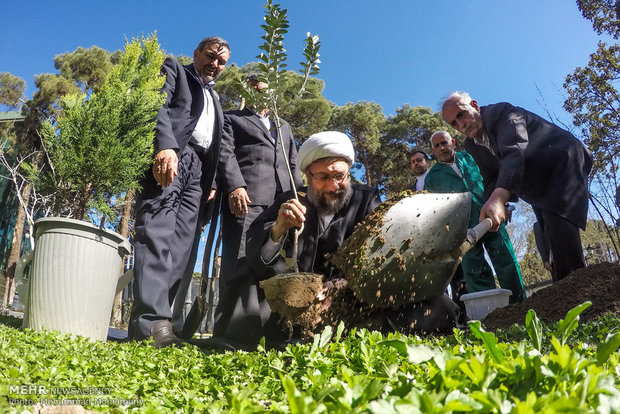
(390, 52)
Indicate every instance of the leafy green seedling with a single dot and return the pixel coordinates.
(416, 354)
(611, 344)
(567, 325)
(534, 328)
(489, 340)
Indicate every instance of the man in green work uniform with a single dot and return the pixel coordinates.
(457, 172)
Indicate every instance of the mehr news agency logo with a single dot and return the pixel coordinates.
(95, 396)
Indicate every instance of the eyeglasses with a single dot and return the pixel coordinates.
(324, 177)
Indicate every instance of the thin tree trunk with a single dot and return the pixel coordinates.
(18, 231)
(368, 175)
(123, 229)
(80, 210)
(613, 241)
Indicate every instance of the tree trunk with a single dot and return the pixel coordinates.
(123, 229)
(18, 231)
(80, 210)
(367, 170)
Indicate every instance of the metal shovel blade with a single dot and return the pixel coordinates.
(412, 256)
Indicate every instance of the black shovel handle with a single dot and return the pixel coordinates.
(199, 308)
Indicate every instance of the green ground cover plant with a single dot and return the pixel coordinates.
(565, 367)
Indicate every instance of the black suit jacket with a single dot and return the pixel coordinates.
(251, 158)
(243, 315)
(534, 159)
(312, 245)
(177, 118)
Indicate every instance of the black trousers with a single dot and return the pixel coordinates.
(165, 230)
(233, 241)
(565, 242)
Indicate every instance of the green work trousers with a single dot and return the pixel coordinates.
(478, 273)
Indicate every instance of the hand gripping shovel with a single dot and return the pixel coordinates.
(412, 254)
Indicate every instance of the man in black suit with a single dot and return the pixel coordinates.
(251, 173)
(329, 207)
(174, 190)
(334, 205)
(521, 155)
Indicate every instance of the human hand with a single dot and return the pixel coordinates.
(547, 266)
(291, 214)
(495, 207)
(238, 201)
(165, 167)
(211, 194)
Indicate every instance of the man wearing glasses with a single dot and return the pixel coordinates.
(457, 172)
(329, 209)
(175, 189)
(522, 155)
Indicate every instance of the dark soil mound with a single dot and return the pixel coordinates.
(599, 284)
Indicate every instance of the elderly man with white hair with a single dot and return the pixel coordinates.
(521, 155)
(329, 209)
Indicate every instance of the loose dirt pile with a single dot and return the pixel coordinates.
(599, 284)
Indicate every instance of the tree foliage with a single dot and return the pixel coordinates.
(604, 15)
(86, 67)
(102, 142)
(295, 97)
(183, 59)
(11, 95)
(228, 87)
(272, 63)
(594, 101)
(307, 114)
(12, 89)
(364, 122)
(24, 138)
(597, 244)
(411, 129)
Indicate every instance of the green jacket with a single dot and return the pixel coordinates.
(441, 178)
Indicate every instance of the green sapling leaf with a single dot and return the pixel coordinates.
(567, 325)
(611, 345)
(534, 328)
(339, 331)
(489, 340)
(326, 336)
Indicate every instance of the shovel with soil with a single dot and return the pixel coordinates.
(406, 251)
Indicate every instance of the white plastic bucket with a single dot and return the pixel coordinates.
(479, 304)
(73, 277)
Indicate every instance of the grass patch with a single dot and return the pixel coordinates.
(569, 368)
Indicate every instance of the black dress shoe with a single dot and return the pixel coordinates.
(162, 334)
